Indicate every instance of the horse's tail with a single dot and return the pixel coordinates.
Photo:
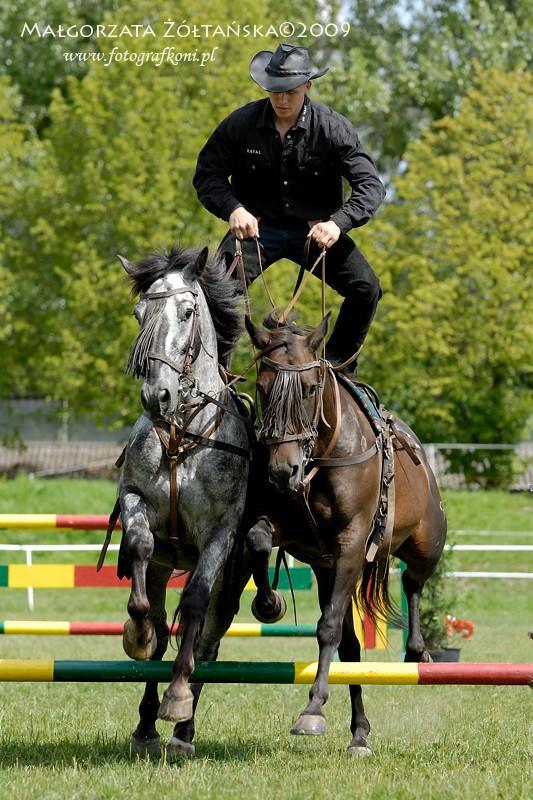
(176, 626)
(372, 594)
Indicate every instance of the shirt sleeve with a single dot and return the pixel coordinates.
(367, 190)
(213, 168)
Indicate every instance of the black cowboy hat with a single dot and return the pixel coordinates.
(285, 69)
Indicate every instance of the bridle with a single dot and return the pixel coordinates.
(179, 442)
(310, 437)
(187, 386)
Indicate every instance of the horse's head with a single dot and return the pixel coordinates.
(169, 340)
(290, 383)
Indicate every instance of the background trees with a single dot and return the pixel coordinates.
(99, 160)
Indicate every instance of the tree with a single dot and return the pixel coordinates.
(408, 63)
(451, 345)
(115, 177)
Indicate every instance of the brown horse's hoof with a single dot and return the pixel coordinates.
(309, 725)
(132, 643)
(145, 747)
(177, 749)
(278, 611)
(357, 751)
(176, 709)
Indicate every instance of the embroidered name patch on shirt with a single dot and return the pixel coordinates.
(254, 151)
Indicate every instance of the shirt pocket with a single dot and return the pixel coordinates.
(314, 168)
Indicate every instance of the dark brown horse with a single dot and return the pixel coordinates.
(324, 512)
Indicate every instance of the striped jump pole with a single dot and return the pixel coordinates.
(473, 674)
(73, 628)
(77, 522)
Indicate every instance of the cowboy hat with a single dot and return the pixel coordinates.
(283, 70)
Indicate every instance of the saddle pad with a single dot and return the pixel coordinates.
(366, 398)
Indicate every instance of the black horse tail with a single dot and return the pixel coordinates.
(372, 594)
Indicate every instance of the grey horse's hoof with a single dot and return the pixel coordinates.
(177, 749)
(176, 709)
(279, 611)
(145, 747)
(357, 751)
(309, 725)
(130, 641)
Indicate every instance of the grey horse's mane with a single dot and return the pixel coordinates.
(223, 297)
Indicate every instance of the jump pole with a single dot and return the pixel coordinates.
(74, 628)
(473, 674)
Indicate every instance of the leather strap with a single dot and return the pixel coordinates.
(346, 461)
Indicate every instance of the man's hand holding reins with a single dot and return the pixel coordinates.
(325, 234)
(242, 224)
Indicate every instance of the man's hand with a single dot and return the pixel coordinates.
(325, 234)
(242, 224)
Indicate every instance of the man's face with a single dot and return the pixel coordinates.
(287, 104)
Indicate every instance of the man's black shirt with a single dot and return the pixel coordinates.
(300, 178)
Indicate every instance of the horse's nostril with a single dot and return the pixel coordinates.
(164, 396)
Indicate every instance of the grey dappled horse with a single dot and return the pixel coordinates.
(187, 313)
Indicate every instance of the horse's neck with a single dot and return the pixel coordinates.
(332, 389)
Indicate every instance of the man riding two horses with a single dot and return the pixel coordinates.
(274, 168)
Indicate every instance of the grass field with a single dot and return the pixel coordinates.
(72, 741)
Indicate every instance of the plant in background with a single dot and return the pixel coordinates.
(438, 599)
(457, 629)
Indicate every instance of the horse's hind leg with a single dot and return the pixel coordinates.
(139, 639)
(268, 605)
(350, 650)
(145, 739)
(415, 648)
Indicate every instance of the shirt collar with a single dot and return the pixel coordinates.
(266, 117)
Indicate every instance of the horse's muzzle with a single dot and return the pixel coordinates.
(285, 476)
(156, 400)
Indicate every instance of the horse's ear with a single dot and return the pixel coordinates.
(195, 270)
(128, 266)
(259, 336)
(314, 339)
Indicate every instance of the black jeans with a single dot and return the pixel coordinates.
(347, 272)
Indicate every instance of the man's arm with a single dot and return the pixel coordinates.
(214, 166)
(359, 170)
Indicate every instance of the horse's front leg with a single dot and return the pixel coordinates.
(268, 605)
(346, 572)
(145, 739)
(178, 700)
(219, 617)
(139, 639)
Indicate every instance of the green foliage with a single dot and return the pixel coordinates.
(451, 347)
(406, 64)
(36, 64)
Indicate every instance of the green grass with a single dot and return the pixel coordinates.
(71, 741)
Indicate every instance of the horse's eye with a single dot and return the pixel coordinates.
(188, 313)
(312, 391)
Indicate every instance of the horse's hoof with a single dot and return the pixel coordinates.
(278, 611)
(176, 749)
(309, 724)
(133, 647)
(145, 747)
(358, 751)
(176, 709)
